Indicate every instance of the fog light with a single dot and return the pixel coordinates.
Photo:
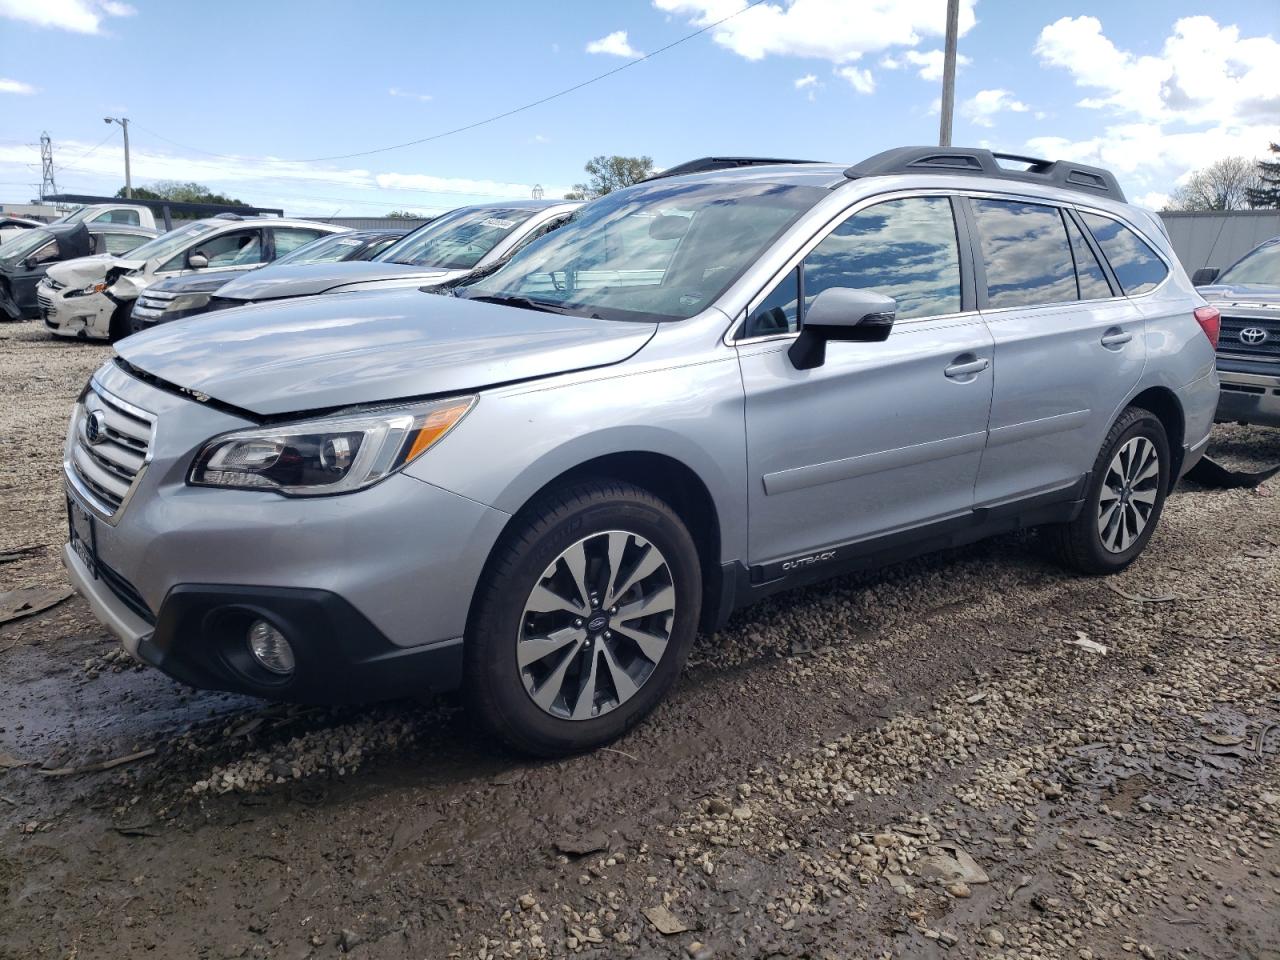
(270, 648)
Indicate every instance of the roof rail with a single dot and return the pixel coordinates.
(977, 162)
(704, 164)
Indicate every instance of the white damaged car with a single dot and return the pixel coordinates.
(92, 297)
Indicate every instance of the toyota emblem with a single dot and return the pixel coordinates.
(95, 427)
(1253, 336)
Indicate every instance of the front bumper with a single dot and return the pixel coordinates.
(372, 589)
(1249, 398)
(87, 316)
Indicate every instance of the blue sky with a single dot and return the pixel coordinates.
(235, 94)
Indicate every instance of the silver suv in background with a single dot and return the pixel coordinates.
(1248, 295)
(701, 390)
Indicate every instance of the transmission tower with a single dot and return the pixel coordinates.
(48, 187)
(537, 191)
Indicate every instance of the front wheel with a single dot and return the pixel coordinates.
(584, 618)
(1127, 490)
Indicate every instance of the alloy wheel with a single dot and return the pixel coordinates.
(1130, 490)
(596, 625)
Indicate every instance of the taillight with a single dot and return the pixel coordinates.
(1210, 321)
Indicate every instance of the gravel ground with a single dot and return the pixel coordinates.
(932, 760)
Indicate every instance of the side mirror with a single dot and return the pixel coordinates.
(29, 263)
(841, 313)
(1205, 276)
(197, 261)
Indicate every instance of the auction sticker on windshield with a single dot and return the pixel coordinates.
(497, 222)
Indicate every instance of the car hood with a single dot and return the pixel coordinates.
(326, 352)
(305, 279)
(195, 282)
(1242, 292)
(85, 270)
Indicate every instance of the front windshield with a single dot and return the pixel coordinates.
(661, 251)
(170, 243)
(327, 249)
(1259, 266)
(23, 245)
(457, 240)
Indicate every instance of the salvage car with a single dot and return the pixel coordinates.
(91, 298)
(26, 259)
(449, 248)
(1248, 295)
(188, 295)
(11, 226)
(700, 391)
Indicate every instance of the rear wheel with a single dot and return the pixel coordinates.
(1127, 490)
(584, 619)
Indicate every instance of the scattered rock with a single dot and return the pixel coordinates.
(664, 921)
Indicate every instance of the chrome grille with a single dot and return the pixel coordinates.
(1240, 336)
(106, 470)
(45, 303)
(150, 305)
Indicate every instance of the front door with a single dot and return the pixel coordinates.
(883, 437)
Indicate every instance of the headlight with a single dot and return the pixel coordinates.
(187, 301)
(91, 288)
(330, 455)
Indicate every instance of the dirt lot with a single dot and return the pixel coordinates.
(923, 762)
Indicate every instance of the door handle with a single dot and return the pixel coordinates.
(1116, 337)
(966, 368)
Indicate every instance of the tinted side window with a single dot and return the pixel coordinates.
(121, 216)
(905, 249)
(1133, 262)
(119, 242)
(780, 311)
(1093, 282)
(1026, 254)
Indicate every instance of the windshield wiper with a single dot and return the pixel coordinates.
(524, 303)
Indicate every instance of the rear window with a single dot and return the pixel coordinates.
(1026, 253)
(1132, 260)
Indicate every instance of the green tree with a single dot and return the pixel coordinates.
(178, 192)
(610, 173)
(1225, 184)
(1267, 192)
(404, 215)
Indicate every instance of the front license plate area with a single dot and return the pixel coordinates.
(83, 535)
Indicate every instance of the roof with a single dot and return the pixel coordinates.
(175, 207)
(520, 204)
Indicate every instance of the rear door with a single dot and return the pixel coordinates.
(1069, 347)
(287, 239)
(883, 437)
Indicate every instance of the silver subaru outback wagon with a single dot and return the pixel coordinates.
(703, 389)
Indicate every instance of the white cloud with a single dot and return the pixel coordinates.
(1209, 93)
(15, 86)
(835, 30)
(861, 80)
(299, 187)
(78, 16)
(616, 44)
(1155, 200)
(982, 108)
(397, 92)
(539, 138)
(929, 61)
(808, 80)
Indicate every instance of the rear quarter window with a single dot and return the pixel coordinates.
(1132, 260)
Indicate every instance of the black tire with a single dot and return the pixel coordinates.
(493, 682)
(121, 326)
(1079, 544)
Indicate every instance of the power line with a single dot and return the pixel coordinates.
(487, 120)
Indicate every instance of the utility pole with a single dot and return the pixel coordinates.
(128, 178)
(949, 74)
(47, 185)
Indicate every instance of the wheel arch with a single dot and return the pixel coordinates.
(1164, 403)
(667, 478)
